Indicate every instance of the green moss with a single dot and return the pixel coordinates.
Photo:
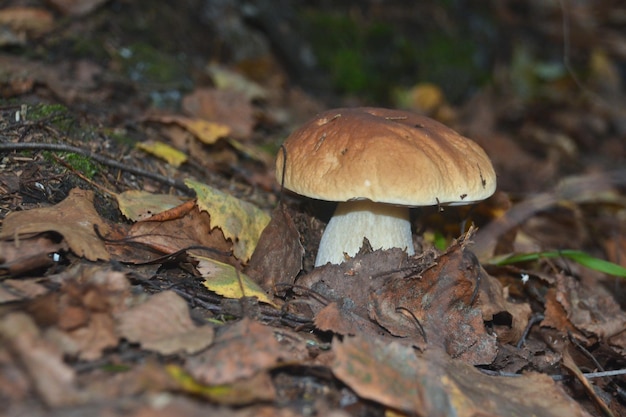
(371, 58)
(56, 115)
(80, 163)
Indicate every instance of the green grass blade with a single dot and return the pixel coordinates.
(580, 257)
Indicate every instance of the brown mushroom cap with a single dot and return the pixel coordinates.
(386, 156)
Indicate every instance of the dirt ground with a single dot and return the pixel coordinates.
(151, 264)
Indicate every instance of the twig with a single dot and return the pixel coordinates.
(588, 375)
(59, 147)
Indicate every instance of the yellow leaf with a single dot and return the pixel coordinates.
(225, 280)
(139, 205)
(240, 221)
(164, 151)
(190, 385)
(226, 79)
(252, 152)
(207, 132)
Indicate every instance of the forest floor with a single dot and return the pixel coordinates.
(151, 265)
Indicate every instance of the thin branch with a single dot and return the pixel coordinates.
(59, 147)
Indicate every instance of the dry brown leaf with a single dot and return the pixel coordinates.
(228, 107)
(20, 289)
(53, 380)
(32, 20)
(32, 254)
(179, 228)
(594, 312)
(74, 218)
(94, 336)
(442, 299)
(277, 258)
(81, 314)
(140, 205)
(162, 324)
(240, 351)
(433, 384)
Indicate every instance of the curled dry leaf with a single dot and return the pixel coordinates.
(443, 300)
(429, 301)
(592, 314)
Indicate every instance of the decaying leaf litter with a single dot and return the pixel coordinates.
(131, 294)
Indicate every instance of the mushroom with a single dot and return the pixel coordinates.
(377, 163)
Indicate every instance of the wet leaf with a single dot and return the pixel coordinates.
(240, 221)
(164, 151)
(225, 280)
(74, 218)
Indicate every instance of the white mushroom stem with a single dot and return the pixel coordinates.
(385, 226)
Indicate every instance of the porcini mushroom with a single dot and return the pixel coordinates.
(377, 163)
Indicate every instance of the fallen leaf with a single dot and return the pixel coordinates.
(74, 218)
(164, 151)
(228, 107)
(443, 300)
(225, 280)
(240, 221)
(140, 205)
(594, 312)
(258, 387)
(162, 324)
(179, 228)
(433, 384)
(30, 255)
(32, 20)
(277, 258)
(20, 289)
(53, 380)
(205, 131)
(240, 351)
(226, 79)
